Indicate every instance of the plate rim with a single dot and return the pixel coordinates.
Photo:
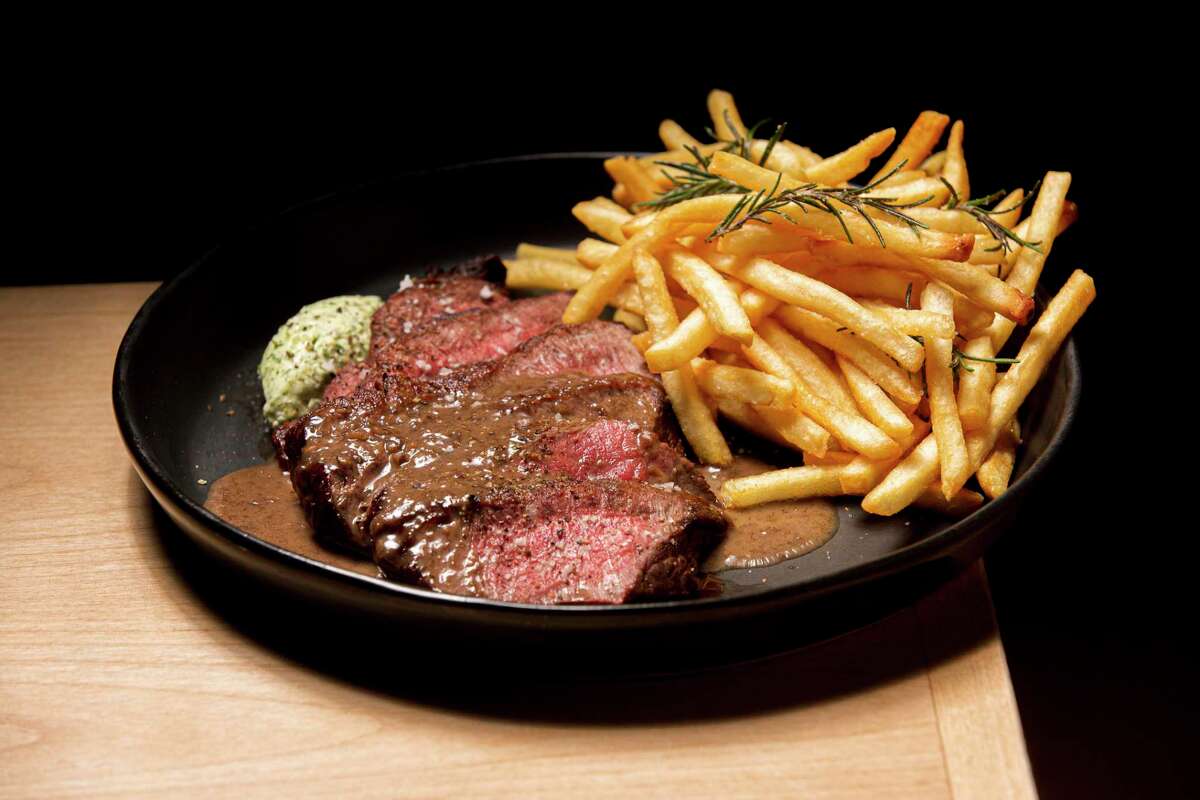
(911, 555)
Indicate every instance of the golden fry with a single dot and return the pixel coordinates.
(800, 290)
(674, 137)
(712, 293)
(874, 402)
(781, 484)
(808, 365)
(1043, 228)
(603, 217)
(852, 430)
(870, 359)
(975, 381)
(917, 144)
(593, 252)
(996, 470)
(954, 170)
(939, 386)
(727, 122)
(627, 171)
(526, 250)
(749, 385)
(695, 418)
(838, 169)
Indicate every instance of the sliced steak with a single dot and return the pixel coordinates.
(427, 297)
(566, 541)
(400, 468)
(443, 343)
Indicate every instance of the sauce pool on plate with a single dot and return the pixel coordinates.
(770, 533)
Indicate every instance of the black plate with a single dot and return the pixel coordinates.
(202, 334)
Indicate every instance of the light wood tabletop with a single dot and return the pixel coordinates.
(119, 678)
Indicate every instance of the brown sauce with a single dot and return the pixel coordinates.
(260, 501)
(770, 533)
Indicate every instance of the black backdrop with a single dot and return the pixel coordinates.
(148, 166)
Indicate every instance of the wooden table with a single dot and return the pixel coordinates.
(116, 679)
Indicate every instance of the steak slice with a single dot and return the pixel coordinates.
(427, 297)
(604, 541)
(443, 343)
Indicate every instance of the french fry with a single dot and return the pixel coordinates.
(797, 429)
(1043, 228)
(1008, 211)
(878, 366)
(948, 221)
(755, 239)
(794, 483)
(874, 402)
(893, 286)
(932, 166)
(808, 365)
(838, 169)
(954, 170)
(674, 137)
(696, 333)
(592, 252)
(917, 144)
(781, 159)
(545, 273)
(1043, 341)
(833, 458)
(917, 192)
(589, 300)
(939, 384)
(1070, 213)
(975, 381)
(630, 320)
(622, 196)
(912, 322)
(712, 294)
(526, 250)
(901, 178)
(823, 225)
(695, 418)
(727, 122)
(749, 385)
(800, 290)
(627, 171)
(862, 474)
(803, 155)
(638, 222)
(996, 470)
(603, 217)
(906, 480)
(746, 417)
(978, 286)
(541, 273)
(851, 430)
(642, 340)
(962, 503)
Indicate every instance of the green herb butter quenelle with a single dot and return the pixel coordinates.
(309, 350)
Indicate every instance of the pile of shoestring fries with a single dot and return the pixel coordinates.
(858, 323)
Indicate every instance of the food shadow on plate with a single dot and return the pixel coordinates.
(610, 678)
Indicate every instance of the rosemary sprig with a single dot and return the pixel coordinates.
(958, 357)
(695, 181)
(975, 208)
(762, 203)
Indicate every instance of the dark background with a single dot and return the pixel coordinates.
(151, 164)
